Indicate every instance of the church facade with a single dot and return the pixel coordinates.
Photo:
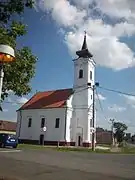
(62, 116)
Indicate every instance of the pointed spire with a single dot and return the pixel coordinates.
(84, 46)
(84, 52)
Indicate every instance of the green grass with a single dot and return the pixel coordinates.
(104, 145)
(125, 150)
(30, 146)
(80, 149)
(128, 150)
(64, 149)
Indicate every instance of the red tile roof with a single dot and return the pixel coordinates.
(48, 99)
(7, 125)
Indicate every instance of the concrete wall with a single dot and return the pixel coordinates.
(104, 137)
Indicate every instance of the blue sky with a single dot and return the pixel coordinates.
(55, 34)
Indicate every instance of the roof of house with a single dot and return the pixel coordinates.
(48, 99)
(7, 125)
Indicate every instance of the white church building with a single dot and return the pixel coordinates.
(61, 116)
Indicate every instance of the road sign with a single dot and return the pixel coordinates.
(44, 129)
(92, 130)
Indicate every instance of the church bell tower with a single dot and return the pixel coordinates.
(84, 74)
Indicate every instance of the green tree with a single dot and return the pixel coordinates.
(17, 75)
(133, 138)
(120, 129)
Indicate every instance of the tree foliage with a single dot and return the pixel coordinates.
(8, 8)
(133, 138)
(120, 129)
(17, 75)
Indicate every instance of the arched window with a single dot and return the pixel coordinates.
(80, 74)
(90, 75)
(29, 122)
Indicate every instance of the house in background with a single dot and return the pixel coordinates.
(103, 136)
(61, 116)
(133, 138)
(8, 127)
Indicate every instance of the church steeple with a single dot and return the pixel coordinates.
(84, 46)
(84, 52)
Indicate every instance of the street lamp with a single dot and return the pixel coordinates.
(7, 55)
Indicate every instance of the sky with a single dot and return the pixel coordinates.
(55, 33)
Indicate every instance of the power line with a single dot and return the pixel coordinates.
(99, 101)
(81, 90)
(101, 87)
(100, 104)
(12, 102)
(116, 91)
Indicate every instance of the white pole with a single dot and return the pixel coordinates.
(1, 80)
(93, 120)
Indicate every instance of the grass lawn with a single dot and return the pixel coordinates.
(60, 148)
(128, 150)
(125, 150)
(104, 145)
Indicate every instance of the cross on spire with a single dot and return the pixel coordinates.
(84, 46)
(84, 52)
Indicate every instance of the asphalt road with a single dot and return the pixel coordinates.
(54, 165)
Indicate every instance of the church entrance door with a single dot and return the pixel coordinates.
(41, 139)
(79, 140)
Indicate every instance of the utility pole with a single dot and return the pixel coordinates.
(112, 125)
(1, 83)
(93, 113)
(93, 120)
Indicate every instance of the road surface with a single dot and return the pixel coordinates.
(54, 165)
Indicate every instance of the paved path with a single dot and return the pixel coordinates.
(50, 165)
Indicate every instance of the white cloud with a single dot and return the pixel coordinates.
(101, 97)
(10, 92)
(82, 3)
(133, 106)
(21, 100)
(103, 39)
(16, 101)
(9, 100)
(114, 8)
(63, 12)
(130, 100)
(117, 8)
(5, 110)
(116, 108)
(107, 51)
(123, 29)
